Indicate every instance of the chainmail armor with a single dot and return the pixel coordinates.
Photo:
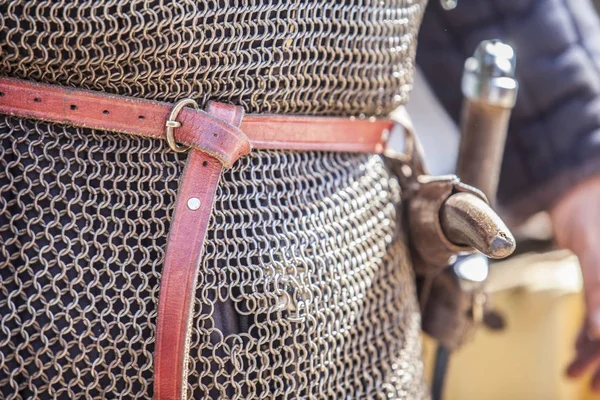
(337, 58)
(305, 289)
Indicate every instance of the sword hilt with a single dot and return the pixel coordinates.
(490, 91)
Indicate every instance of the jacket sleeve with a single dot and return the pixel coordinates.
(554, 135)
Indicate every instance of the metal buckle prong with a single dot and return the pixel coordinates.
(172, 123)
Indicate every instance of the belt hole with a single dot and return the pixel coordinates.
(73, 107)
(141, 117)
(205, 163)
(1, 94)
(105, 112)
(215, 135)
(37, 100)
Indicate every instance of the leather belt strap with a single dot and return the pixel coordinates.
(141, 117)
(218, 137)
(182, 262)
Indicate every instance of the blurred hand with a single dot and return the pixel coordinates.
(576, 221)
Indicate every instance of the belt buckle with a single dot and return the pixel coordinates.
(172, 123)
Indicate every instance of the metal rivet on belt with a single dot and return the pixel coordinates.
(193, 203)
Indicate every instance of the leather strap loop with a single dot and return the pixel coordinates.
(223, 141)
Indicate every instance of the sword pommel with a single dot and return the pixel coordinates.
(489, 75)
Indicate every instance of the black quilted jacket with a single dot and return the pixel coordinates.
(554, 138)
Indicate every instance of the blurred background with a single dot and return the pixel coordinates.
(538, 291)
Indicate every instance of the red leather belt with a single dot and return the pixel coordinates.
(216, 138)
(147, 118)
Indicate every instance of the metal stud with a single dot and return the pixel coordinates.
(193, 203)
(449, 4)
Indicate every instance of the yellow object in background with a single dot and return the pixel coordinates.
(527, 360)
